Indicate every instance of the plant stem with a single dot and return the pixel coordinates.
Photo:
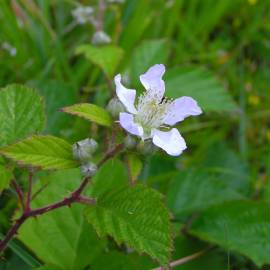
(186, 259)
(111, 153)
(29, 193)
(18, 191)
(74, 196)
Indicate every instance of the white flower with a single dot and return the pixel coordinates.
(153, 113)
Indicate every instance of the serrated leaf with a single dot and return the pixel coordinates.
(148, 53)
(61, 238)
(135, 216)
(204, 189)
(106, 57)
(21, 113)
(201, 85)
(90, 112)
(5, 177)
(241, 226)
(46, 152)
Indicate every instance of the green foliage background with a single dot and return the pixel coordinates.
(218, 191)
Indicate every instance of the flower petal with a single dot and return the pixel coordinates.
(170, 141)
(127, 122)
(152, 80)
(180, 109)
(126, 96)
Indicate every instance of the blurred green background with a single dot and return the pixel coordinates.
(217, 51)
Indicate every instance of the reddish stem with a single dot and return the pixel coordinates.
(18, 191)
(75, 196)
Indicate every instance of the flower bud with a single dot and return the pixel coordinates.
(100, 37)
(83, 14)
(83, 150)
(130, 142)
(115, 106)
(88, 169)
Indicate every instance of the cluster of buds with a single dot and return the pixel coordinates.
(86, 14)
(83, 152)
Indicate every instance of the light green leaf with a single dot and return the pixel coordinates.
(135, 216)
(46, 152)
(21, 113)
(106, 57)
(90, 112)
(61, 238)
(5, 177)
(147, 54)
(204, 189)
(135, 166)
(241, 226)
(201, 85)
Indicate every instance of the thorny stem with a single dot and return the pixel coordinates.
(186, 259)
(74, 196)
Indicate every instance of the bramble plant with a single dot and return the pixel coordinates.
(134, 135)
(132, 213)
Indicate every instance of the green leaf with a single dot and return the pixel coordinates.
(57, 94)
(106, 57)
(111, 175)
(204, 189)
(147, 54)
(21, 113)
(90, 112)
(5, 177)
(61, 238)
(241, 226)
(211, 260)
(46, 152)
(48, 267)
(201, 85)
(135, 216)
(135, 166)
(121, 261)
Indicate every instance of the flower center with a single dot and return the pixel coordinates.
(152, 110)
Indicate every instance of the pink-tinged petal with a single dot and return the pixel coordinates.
(170, 141)
(127, 122)
(125, 95)
(152, 80)
(180, 109)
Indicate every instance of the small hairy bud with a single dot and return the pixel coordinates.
(115, 106)
(100, 37)
(130, 142)
(88, 169)
(83, 150)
